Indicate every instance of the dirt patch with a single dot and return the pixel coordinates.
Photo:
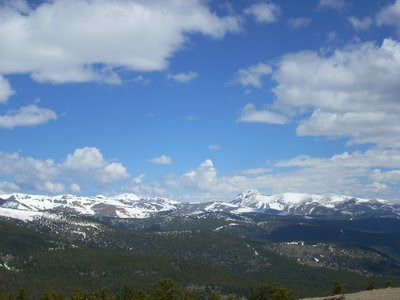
(382, 294)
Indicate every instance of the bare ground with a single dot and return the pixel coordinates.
(381, 294)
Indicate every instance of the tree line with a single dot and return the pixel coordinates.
(165, 289)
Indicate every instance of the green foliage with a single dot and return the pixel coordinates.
(83, 295)
(337, 288)
(270, 292)
(119, 257)
(132, 294)
(188, 294)
(215, 296)
(166, 289)
(105, 294)
(388, 284)
(51, 295)
(371, 285)
(23, 295)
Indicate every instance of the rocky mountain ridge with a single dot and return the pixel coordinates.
(25, 206)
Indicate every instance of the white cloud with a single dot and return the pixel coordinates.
(353, 92)
(147, 189)
(30, 115)
(140, 79)
(86, 166)
(75, 188)
(161, 160)
(8, 187)
(183, 77)
(195, 180)
(256, 171)
(252, 75)
(332, 4)
(264, 12)
(251, 115)
(84, 160)
(358, 173)
(89, 162)
(139, 179)
(53, 187)
(390, 15)
(371, 158)
(75, 41)
(373, 173)
(360, 127)
(331, 36)
(298, 23)
(361, 24)
(6, 90)
(214, 147)
(27, 172)
(386, 176)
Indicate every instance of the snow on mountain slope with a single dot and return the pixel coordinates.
(121, 206)
(310, 204)
(133, 206)
(24, 215)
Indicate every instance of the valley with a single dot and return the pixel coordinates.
(229, 247)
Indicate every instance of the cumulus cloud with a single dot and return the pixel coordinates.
(298, 23)
(6, 90)
(390, 15)
(89, 162)
(183, 77)
(353, 92)
(144, 189)
(361, 24)
(196, 179)
(30, 115)
(161, 160)
(85, 165)
(76, 41)
(52, 187)
(372, 173)
(264, 12)
(252, 75)
(250, 114)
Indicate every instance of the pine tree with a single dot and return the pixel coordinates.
(166, 289)
(270, 292)
(371, 285)
(215, 296)
(23, 295)
(337, 288)
(51, 295)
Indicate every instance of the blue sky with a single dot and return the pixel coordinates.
(200, 100)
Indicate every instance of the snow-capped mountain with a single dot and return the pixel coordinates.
(121, 206)
(27, 207)
(310, 204)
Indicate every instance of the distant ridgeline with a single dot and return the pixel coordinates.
(225, 248)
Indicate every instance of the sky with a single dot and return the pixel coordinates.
(200, 100)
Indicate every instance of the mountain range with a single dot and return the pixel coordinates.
(28, 207)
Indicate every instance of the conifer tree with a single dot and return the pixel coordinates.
(337, 288)
(270, 292)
